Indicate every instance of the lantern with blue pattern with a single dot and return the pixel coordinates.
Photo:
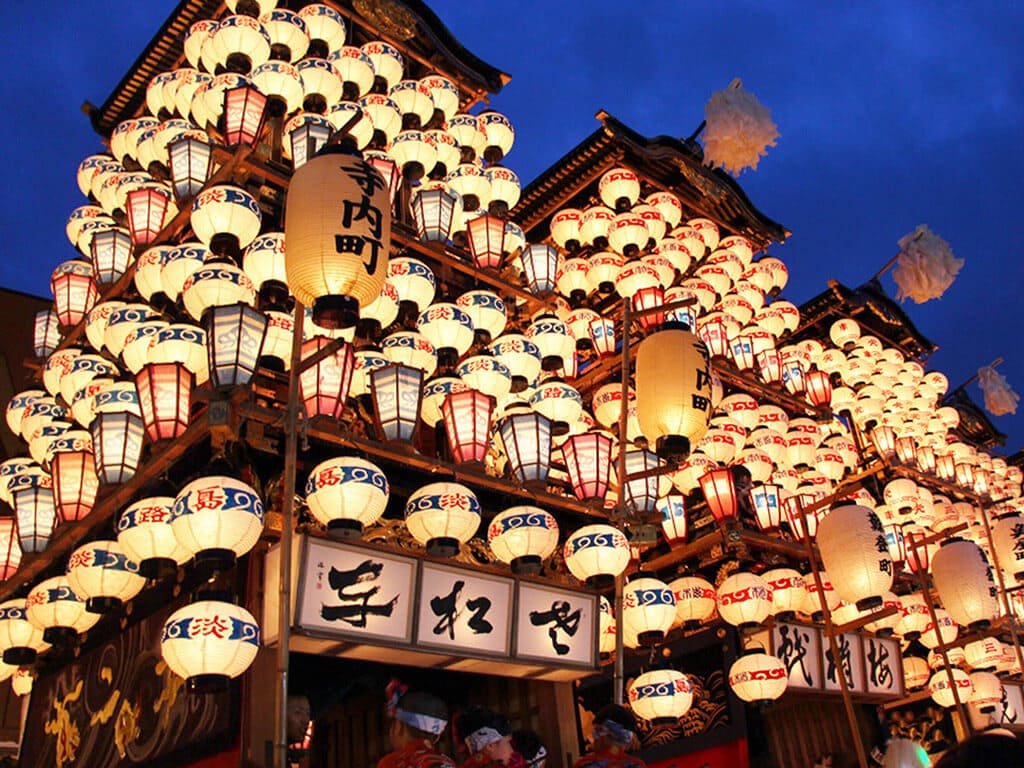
(226, 219)
(209, 642)
(324, 386)
(104, 576)
(217, 519)
(74, 291)
(596, 554)
(53, 607)
(236, 333)
(216, 285)
(20, 640)
(442, 516)
(346, 494)
(397, 392)
(74, 475)
(117, 432)
(661, 696)
(648, 610)
(523, 537)
(144, 531)
(540, 268)
(34, 508)
(527, 441)
(672, 507)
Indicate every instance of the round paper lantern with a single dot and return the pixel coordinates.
(942, 691)
(20, 640)
(812, 602)
(442, 516)
(648, 610)
(914, 616)
(984, 655)
(208, 643)
(788, 591)
(596, 554)
(619, 188)
(103, 575)
(144, 531)
(217, 519)
(915, 672)
(53, 607)
(337, 263)
(943, 628)
(758, 677)
(901, 495)
(884, 627)
(661, 696)
(851, 540)
(695, 600)
(673, 386)
(964, 582)
(744, 600)
(987, 695)
(346, 494)
(523, 537)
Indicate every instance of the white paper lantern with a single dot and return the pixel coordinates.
(695, 600)
(217, 519)
(788, 591)
(744, 600)
(606, 641)
(942, 692)
(347, 494)
(915, 672)
(984, 655)
(943, 629)
(661, 696)
(758, 677)
(20, 640)
(523, 537)
(648, 610)
(1008, 538)
(53, 607)
(441, 516)
(596, 554)
(852, 544)
(208, 643)
(987, 695)
(964, 582)
(144, 531)
(914, 616)
(103, 575)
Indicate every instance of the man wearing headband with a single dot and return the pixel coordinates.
(418, 719)
(614, 733)
(529, 752)
(488, 737)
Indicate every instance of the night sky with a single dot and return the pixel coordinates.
(891, 115)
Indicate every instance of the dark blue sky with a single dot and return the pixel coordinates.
(891, 115)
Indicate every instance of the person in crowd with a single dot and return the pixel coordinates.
(984, 749)
(417, 721)
(528, 750)
(614, 734)
(488, 737)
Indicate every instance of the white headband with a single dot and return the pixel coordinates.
(479, 739)
(424, 723)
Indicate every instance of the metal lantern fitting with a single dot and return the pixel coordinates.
(527, 441)
(397, 392)
(339, 268)
(588, 461)
(165, 399)
(719, 489)
(346, 494)
(744, 600)
(852, 544)
(104, 576)
(324, 386)
(144, 531)
(524, 537)
(661, 696)
(53, 607)
(20, 640)
(433, 210)
(190, 163)
(74, 291)
(218, 519)
(486, 240)
(117, 432)
(235, 336)
(442, 516)
(758, 677)
(596, 554)
(648, 610)
(147, 211)
(467, 421)
(244, 111)
(767, 503)
(208, 643)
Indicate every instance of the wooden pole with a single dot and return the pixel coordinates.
(851, 716)
(284, 613)
(619, 675)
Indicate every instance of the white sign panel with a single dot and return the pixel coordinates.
(850, 660)
(799, 648)
(460, 610)
(883, 666)
(555, 626)
(362, 593)
(1013, 705)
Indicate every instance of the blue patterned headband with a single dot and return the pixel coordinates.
(539, 758)
(479, 739)
(618, 732)
(424, 723)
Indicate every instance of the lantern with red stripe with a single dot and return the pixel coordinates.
(769, 365)
(649, 299)
(244, 110)
(588, 461)
(467, 420)
(789, 591)
(10, 548)
(758, 677)
(165, 397)
(818, 386)
(744, 600)
(324, 386)
(73, 469)
(941, 689)
(719, 489)
(696, 600)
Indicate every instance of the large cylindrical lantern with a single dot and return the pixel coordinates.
(596, 554)
(852, 544)
(673, 388)
(346, 494)
(744, 600)
(144, 531)
(208, 643)
(165, 399)
(217, 519)
(758, 677)
(20, 640)
(53, 607)
(526, 438)
(104, 576)
(442, 516)
(942, 691)
(588, 460)
(695, 600)
(523, 537)
(648, 610)
(661, 696)
(338, 228)
(324, 386)
(964, 582)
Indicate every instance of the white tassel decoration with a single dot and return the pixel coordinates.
(738, 129)
(999, 398)
(926, 266)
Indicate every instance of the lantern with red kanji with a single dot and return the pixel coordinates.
(346, 494)
(208, 643)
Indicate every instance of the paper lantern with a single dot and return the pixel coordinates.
(696, 600)
(1008, 540)
(942, 630)
(117, 431)
(673, 385)
(346, 494)
(467, 419)
(73, 470)
(606, 631)
(486, 240)
(209, 642)
(719, 489)
(20, 640)
(914, 616)
(324, 386)
(165, 398)
(596, 554)
(941, 690)
(397, 392)
(619, 188)
(744, 600)
(486, 374)
(672, 507)
(35, 511)
(915, 672)
(339, 268)
(412, 349)
(217, 519)
(588, 461)
(884, 627)
(442, 516)
(144, 532)
(226, 218)
(523, 537)
(560, 402)
(648, 610)
(964, 582)
(758, 677)
(189, 159)
(641, 493)
(767, 502)
(985, 654)
(987, 695)
(74, 291)
(10, 548)
(661, 696)
(851, 540)
(526, 438)
(540, 268)
(104, 576)
(813, 600)
(788, 591)
(448, 329)
(53, 607)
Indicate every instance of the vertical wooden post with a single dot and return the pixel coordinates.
(619, 674)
